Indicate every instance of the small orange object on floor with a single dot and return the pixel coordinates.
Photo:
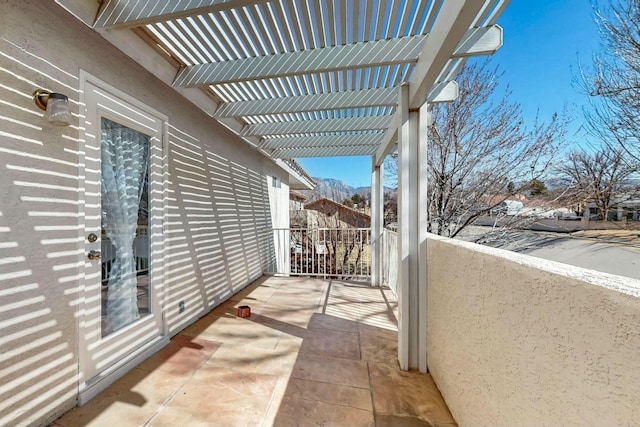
(244, 311)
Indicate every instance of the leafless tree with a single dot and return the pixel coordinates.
(613, 84)
(597, 176)
(477, 146)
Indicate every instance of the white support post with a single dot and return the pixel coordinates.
(412, 235)
(407, 237)
(423, 132)
(377, 219)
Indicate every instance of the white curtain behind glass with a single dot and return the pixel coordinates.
(125, 157)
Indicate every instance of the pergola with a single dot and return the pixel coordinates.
(320, 78)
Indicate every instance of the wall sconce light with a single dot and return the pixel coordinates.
(55, 105)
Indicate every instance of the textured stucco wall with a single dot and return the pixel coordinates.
(515, 340)
(217, 194)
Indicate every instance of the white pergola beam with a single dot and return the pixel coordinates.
(135, 13)
(322, 141)
(350, 150)
(443, 92)
(480, 41)
(337, 58)
(293, 104)
(447, 36)
(389, 140)
(454, 19)
(325, 125)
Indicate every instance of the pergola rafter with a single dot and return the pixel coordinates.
(338, 58)
(135, 13)
(313, 126)
(320, 102)
(336, 140)
(336, 151)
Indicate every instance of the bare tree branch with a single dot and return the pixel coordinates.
(480, 152)
(613, 84)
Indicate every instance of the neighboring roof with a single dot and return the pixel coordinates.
(298, 167)
(541, 203)
(294, 195)
(339, 206)
(499, 198)
(308, 79)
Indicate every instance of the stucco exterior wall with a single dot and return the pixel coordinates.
(218, 203)
(515, 340)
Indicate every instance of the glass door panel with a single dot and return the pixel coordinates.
(124, 221)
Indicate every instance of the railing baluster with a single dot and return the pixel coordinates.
(321, 252)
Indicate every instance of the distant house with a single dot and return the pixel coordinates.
(504, 204)
(623, 207)
(509, 207)
(296, 200)
(519, 205)
(540, 208)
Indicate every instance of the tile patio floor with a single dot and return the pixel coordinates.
(313, 353)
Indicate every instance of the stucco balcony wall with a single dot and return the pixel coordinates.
(515, 340)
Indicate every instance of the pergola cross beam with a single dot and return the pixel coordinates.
(337, 58)
(324, 125)
(116, 14)
(308, 103)
(340, 151)
(323, 141)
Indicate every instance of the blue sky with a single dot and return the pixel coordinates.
(544, 41)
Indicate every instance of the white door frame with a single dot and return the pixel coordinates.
(103, 360)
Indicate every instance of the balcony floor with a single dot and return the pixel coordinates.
(313, 353)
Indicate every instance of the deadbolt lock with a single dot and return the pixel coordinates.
(92, 237)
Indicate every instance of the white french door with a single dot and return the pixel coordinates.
(120, 311)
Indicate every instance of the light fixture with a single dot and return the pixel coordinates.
(56, 106)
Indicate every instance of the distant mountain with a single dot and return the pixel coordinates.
(329, 188)
(336, 190)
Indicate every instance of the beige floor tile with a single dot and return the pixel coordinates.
(351, 417)
(385, 420)
(219, 397)
(181, 356)
(130, 401)
(386, 332)
(233, 330)
(330, 393)
(300, 299)
(376, 347)
(325, 342)
(290, 315)
(258, 360)
(407, 394)
(332, 370)
(300, 412)
(260, 293)
(325, 321)
(276, 400)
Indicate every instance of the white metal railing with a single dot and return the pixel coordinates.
(390, 259)
(324, 252)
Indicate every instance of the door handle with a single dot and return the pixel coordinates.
(93, 254)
